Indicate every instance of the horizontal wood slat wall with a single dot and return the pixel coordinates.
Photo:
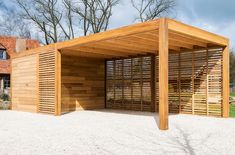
(82, 83)
(24, 83)
(128, 84)
(47, 96)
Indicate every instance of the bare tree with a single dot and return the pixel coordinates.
(95, 14)
(46, 16)
(59, 20)
(11, 24)
(151, 9)
(69, 16)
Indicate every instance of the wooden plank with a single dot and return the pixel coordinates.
(225, 93)
(163, 74)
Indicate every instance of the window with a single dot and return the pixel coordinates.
(6, 82)
(3, 54)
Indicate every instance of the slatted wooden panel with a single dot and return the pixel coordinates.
(46, 75)
(186, 85)
(156, 83)
(173, 98)
(146, 83)
(214, 79)
(128, 84)
(200, 82)
(195, 82)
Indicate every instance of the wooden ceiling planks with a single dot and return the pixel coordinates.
(116, 33)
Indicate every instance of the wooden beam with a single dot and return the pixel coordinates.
(132, 44)
(163, 74)
(225, 93)
(79, 53)
(117, 47)
(196, 33)
(99, 50)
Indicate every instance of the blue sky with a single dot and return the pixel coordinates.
(217, 16)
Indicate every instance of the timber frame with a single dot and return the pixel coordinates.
(158, 38)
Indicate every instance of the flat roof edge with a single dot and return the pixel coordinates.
(33, 51)
(196, 32)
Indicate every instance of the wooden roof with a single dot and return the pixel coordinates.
(139, 39)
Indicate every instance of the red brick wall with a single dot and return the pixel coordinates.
(10, 44)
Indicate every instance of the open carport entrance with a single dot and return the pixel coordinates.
(160, 66)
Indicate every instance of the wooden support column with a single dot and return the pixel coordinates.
(225, 92)
(163, 74)
(58, 82)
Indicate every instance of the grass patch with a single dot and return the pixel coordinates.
(232, 94)
(232, 110)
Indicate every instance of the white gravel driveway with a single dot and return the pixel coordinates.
(113, 132)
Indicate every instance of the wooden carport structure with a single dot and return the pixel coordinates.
(43, 78)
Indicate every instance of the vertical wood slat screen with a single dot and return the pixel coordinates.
(214, 87)
(46, 74)
(195, 82)
(128, 84)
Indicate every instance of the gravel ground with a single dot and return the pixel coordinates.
(113, 132)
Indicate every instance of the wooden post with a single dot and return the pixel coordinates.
(163, 74)
(58, 82)
(225, 93)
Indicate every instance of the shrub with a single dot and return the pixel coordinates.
(5, 97)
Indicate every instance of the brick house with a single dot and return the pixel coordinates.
(8, 46)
